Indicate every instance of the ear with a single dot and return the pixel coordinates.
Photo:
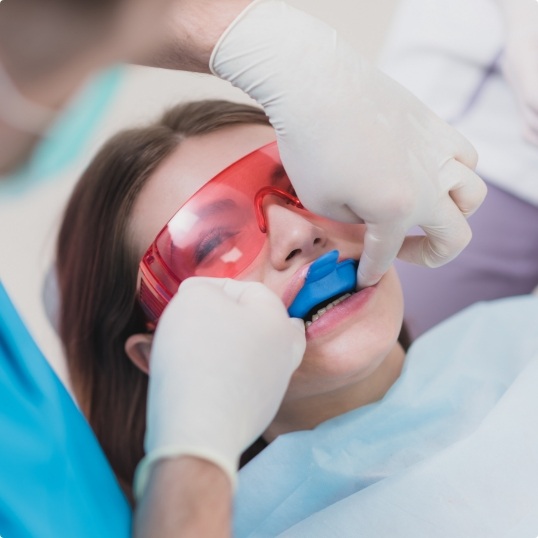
(138, 349)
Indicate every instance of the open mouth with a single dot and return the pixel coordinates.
(327, 283)
(315, 313)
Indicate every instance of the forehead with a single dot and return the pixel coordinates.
(192, 164)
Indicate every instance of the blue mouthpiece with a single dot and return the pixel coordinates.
(325, 279)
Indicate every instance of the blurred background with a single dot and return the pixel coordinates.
(29, 221)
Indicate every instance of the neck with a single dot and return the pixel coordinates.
(306, 413)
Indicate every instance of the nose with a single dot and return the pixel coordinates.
(291, 235)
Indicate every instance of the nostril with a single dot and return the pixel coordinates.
(293, 253)
(317, 241)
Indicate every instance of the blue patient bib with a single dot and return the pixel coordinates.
(55, 481)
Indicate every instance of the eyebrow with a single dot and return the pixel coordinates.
(219, 206)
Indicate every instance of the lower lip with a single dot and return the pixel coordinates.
(338, 314)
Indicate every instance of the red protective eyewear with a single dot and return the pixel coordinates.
(218, 232)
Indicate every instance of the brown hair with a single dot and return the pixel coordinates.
(97, 272)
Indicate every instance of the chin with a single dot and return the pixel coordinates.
(353, 355)
(344, 360)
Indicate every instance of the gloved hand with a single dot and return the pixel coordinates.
(221, 361)
(356, 145)
(520, 59)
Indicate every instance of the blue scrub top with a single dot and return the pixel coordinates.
(54, 478)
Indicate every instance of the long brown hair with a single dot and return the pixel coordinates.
(97, 271)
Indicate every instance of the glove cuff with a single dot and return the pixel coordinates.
(232, 25)
(144, 467)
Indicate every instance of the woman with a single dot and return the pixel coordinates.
(353, 356)
(103, 238)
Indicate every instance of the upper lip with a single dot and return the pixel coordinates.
(295, 284)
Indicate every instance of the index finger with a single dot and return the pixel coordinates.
(381, 246)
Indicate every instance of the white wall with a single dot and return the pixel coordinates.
(28, 223)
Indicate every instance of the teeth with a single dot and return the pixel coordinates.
(322, 311)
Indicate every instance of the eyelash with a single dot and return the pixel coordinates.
(213, 239)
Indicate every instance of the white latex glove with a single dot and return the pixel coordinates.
(356, 145)
(221, 361)
(520, 59)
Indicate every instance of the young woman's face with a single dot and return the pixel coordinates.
(348, 342)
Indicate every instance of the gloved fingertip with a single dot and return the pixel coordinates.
(196, 281)
(366, 280)
(298, 323)
(234, 289)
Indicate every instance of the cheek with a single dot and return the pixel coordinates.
(260, 271)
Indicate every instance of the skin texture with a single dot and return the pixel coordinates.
(192, 29)
(352, 357)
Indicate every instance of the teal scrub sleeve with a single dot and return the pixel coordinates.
(55, 480)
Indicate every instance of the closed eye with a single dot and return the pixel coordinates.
(211, 241)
